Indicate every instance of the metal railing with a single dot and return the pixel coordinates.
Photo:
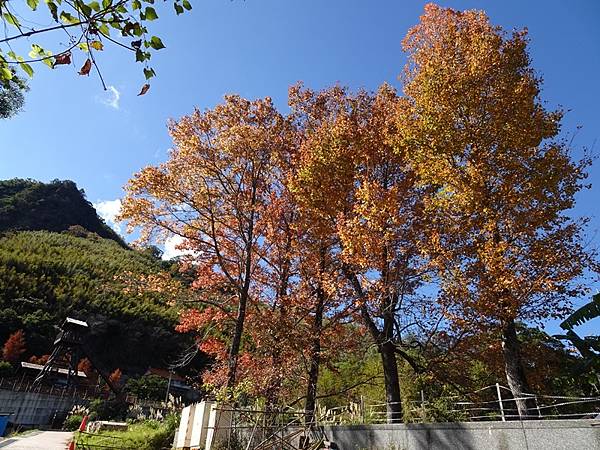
(491, 403)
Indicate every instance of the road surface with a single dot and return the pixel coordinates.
(38, 440)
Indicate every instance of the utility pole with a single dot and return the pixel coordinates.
(168, 386)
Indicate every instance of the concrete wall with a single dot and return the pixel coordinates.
(528, 435)
(35, 409)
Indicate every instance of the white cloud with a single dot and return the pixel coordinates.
(171, 250)
(108, 210)
(113, 97)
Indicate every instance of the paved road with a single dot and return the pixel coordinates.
(43, 440)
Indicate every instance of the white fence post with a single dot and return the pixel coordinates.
(500, 402)
(537, 405)
(363, 413)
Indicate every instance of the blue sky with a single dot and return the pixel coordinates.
(70, 130)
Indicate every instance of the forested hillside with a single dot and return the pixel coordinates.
(45, 277)
(54, 206)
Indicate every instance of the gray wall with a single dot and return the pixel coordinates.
(35, 409)
(528, 435)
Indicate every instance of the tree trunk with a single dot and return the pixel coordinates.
(385, 345)
(392, 383)
(315, 360)
(236, 341)
(515, 375)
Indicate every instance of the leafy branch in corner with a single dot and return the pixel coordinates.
(90, 27)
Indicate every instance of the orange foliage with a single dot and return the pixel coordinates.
(115, 377)
(14, 347)
(352, 204)
(483, 141)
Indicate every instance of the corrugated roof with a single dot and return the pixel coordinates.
(27, 365)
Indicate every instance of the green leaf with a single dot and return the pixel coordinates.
(68, 18)
(94, 5)
(156, 43)
(36, 51)
(106, 4)
(140, 56)
(178, 8)
(587, 312)
(103, 29)
(127, 29)
(84, 46)
(85, 9)
(27, 69)
(137, 29)
(39, 52)
(149, 73)
(53, 9)
(5, 73)
(11, 19)
(187, 5)
(49, 62)
(33, 4)
(136, 4)
(150, 13)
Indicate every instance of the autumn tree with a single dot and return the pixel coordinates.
(14, 347)
(289, 324)
(501, 180)
(325, 307)
(364, 197)
(212, 192)
(85, 366)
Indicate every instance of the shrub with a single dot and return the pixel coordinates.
(6, 369)
(108, 410)
(163, 438)
(145, 435)
(147, 387)
(72, 423)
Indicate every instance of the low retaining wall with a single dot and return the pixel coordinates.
(527, 435)
(34, 408)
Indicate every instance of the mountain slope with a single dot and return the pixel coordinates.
(54, 206)
(45, 277)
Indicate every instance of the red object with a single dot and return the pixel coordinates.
(72, 445)
(83, 423)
